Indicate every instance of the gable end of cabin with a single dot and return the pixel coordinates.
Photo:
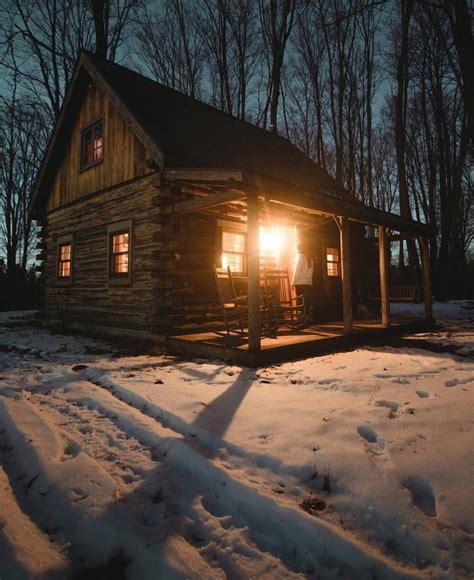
(100, 226)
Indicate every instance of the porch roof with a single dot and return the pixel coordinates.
(237, 184)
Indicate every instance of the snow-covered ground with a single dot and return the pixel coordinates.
(353, 465)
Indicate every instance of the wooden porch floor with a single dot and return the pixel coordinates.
(292, 344)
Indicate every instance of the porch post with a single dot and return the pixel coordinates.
(253, 271)
(425, 260)
(346, 274)
(383, 265)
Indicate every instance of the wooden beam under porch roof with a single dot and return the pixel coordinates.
(275, 191)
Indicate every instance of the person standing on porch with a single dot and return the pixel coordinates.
(303, 278)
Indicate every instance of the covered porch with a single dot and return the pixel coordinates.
(262, 201)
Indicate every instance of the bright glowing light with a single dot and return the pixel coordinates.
(271, 242)
(225, 262)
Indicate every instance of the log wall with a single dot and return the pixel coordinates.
(173, 289)
(193, 300)
(92, 298)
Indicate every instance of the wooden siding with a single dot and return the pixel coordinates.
(124, 156)
(91, 297)
(173, 290)
(193, 299)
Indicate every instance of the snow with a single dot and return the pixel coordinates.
(355, 465)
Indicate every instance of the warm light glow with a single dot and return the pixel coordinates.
(332, 259)
(65, 251)
(233, 251)
(120, 249)
(271, 242)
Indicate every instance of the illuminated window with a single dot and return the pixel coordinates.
(64, 260)
(92, 149)
(332, 260)
(120, 253)
(233, 251)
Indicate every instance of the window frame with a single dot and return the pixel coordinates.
(233, 228)
(337, 262)
(85, 166)
(61, 242)
(115, 229)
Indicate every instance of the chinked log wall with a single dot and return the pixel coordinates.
(193, 304)
(92, 298)
(172, 287)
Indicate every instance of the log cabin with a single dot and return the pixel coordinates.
(144, 191)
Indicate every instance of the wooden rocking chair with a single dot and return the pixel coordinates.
(284, 309)
(234, 308)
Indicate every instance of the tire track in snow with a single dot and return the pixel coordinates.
(203, 530)
(97, 528)
(26, 551)
(202, 439)
(320, 545)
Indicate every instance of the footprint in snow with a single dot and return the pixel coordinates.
(71, 450)
(264, 437)
(401, 381)
(455, 382)
(327, 381)
(392, 405)
(422, 494)
(423, 394)
(371, 436)
(464, 369)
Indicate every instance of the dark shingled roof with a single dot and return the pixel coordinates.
(192, 134)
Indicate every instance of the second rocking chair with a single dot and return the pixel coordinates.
(285, 309)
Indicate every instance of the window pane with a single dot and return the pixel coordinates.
(66, 252)
(120, 243)
(98, 149)
(98, 141)
(64, 269)
(98, 130)
(121, 264)
(92, 144)
(333, 269)
(234, 261)
(332, 255)
(233, 242)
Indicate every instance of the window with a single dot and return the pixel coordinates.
(120, 250)
(64, 253)
(92, 148)
(120, 239)
(233, 250)
(332, 260)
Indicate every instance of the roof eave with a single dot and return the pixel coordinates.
(324, 203)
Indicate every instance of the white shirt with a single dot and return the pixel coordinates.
(303, 275)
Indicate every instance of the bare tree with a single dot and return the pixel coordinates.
(277, 18)
(170, 46)
(21, 139)
(243, 23)
(459, 16)
(43, 38)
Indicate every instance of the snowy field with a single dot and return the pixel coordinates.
(352, 465)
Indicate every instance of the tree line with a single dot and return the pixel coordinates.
(378, 92)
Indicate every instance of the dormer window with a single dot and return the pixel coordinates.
(92, 147)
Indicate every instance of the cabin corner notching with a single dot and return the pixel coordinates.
(137, 209)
